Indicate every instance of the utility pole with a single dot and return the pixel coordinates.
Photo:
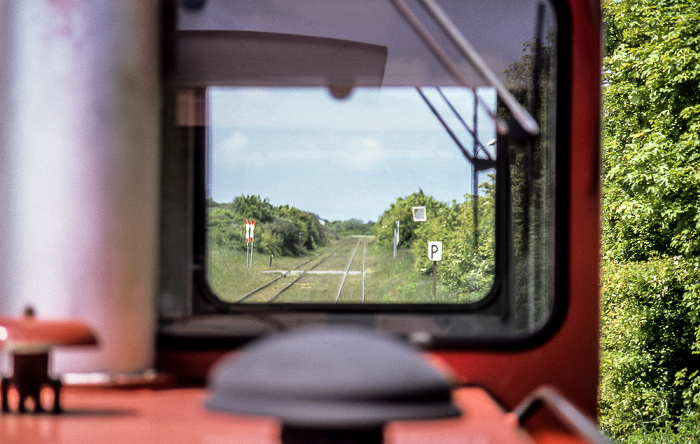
(435, 255)
(249, 242)
(396, 237)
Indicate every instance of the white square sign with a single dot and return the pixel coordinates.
(419, 214)
(435, 251)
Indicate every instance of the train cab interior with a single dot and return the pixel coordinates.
(312, 221)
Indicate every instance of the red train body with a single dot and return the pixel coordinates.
(558, 362)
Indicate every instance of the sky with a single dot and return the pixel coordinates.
(353, 157)
(339, 158)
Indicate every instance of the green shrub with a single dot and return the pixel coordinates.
(649, 348)
(277, 229)
(465, 267)
(401, 211)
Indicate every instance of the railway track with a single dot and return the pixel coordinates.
(347, 270)
(274, 289)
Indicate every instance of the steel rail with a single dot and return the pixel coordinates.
(347, 271)
(364, 250)
(276, 295)
(252, 292)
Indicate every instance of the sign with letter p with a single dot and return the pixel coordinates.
(435, 251)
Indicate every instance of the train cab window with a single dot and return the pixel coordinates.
(381, 162)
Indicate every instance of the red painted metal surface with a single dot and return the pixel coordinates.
(29, 340)
(30, 332)
(569, 360)
(178, 416)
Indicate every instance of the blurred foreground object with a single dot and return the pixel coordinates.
(29, 341)
(331, 385)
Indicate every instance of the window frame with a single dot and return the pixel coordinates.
(185, 316)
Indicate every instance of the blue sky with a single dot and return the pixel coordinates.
(350, 158)
(339, 158)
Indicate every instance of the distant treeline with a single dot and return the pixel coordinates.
(280, 230)
(468, 249)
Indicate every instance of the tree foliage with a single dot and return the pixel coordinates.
(253, 208)
(650, 341)
(468, 254)
(652, 128)
(282, 230)
(350, 227)
(651, 224)
(401, 211)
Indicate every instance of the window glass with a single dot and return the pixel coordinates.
(352, 157)
(330, 185)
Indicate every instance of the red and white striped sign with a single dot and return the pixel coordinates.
(249, 228)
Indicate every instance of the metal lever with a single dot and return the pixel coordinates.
(521, 115)
(566, 412)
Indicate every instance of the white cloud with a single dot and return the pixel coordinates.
(233, 149)
(364, 154)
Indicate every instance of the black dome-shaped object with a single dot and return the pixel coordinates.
(338, 378)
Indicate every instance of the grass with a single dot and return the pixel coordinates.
(396, 280)
(387, 280)
(230, 279)
(662, 437)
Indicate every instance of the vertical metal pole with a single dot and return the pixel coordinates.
(396, 237)
(364, 249)
(434, 279)
(80, 144)
(475, 174)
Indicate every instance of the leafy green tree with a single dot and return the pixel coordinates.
(351, 226)
(313, 233)
(650, 340)
(276, 232)
(468, 262)
(652, 128)
(268, 240)
(253, 207)
(402, 212)
(648, 361)
(285, 232)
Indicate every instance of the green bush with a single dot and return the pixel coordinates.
(649, 348)
(650, 389)
(401, 211)
(465, 267)
(468, 262)
(350, 227)
(652, 128)
(276, 232)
